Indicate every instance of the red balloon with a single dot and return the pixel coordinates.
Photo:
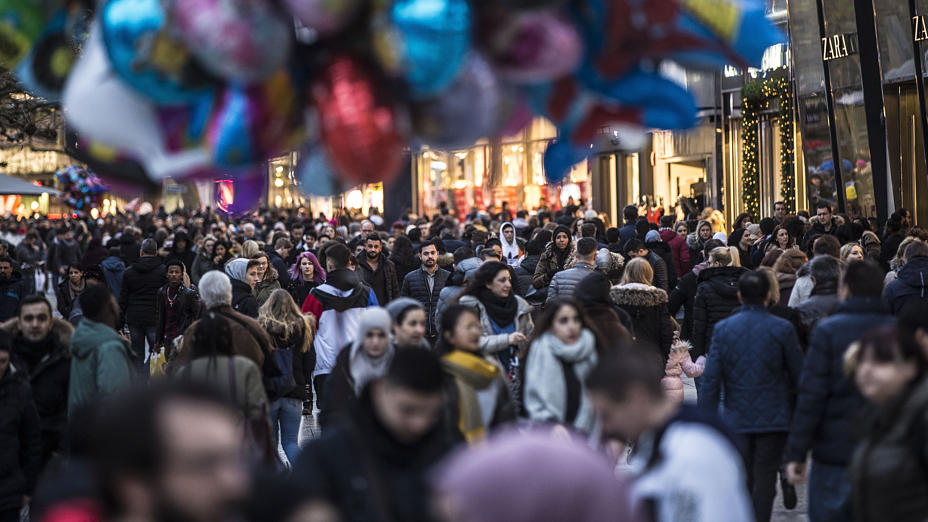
(359, 126)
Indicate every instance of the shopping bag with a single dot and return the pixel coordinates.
(157, 363)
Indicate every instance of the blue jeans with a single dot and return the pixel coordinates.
(286, 413)
(829, 493)
(138, 335)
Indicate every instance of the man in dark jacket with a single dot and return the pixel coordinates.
(12, 289)
(28, 256)
(140, 284)
(377, 271)
(20, 440)
(828, 402)
(824, 223)
(656, 245)
(373, 465)
(627, 232)
(912, 279)
(67, 252)
(825, 271)
(755, 358)
(636, 248)
(278, 259)
(177, 306)
(40, 355)
(425, 285)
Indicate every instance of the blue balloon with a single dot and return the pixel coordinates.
(230, 135)
(560, 156)
(315, 174)
(434, 40)
(144, 55)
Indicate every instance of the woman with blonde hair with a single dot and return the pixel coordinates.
(716, 296)
(852, 252)
(292, 335)
(646, 304)
(898, 261)
(250, 248)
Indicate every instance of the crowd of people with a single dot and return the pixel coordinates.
(528, 366)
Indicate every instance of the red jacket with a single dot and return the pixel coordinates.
(681, 253)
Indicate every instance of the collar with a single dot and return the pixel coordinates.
(433, 274)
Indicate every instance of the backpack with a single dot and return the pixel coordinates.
(285, 383)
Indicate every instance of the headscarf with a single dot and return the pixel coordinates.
(399, 305)
(511, 252)
(561, 255)
(364, 368)
(237, 268)
(318, 273)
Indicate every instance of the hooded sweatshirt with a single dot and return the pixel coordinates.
(363, 367)
(911, 282)
(337, 306)
(512, 255)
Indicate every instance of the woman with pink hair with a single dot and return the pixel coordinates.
(305, 275)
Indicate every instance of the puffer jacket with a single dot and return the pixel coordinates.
(680, 250)
(547, 265)
(888, 473)
(716, 298)
(492, 343)
(755, 358)
(416, 287)
(668, 279)
(565, 282)
(911, 282)
(140, 284)
(647, 307)
(828, 402)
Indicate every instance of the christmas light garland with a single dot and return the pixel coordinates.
(755, 98)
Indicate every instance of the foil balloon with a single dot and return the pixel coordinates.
(323, 16)
(146, 56)
(560, 156)
(467, 111)
(47, 67)
(240, 40)
(315, 174)
(359, 125)
(426, 42)
(106, 111)
(535, 46)
(21, 23)
(240, 192)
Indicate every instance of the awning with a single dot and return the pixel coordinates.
(13, 185)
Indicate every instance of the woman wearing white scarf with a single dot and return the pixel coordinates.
(512, 255)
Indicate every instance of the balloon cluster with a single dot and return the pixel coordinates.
(212, 88)
(80, 188)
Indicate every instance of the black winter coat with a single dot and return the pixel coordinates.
(140, 284)
(243, 299)
(283, 271)
(889, 476)
(647, 307)
(12, 291)
(416, 286)
(186, 303)
(299, 289)
(20, 441)
(683, 296)
(382, 281)
(367, 474)
(663, 251)
(716, 298)
(828, 402)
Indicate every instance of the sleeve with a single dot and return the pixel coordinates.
(810, 403)
(492, 343)
(62, 303)
(404, 289)
(801, 290)
(124, 294)
(159, 318)
(30, 439)
(694, 368)
(709, 394)
(540, 278)
(792, 354)
(553, 289)
(311, 305)
(255, 396)
(541, 387)
(114, 372)
(666, 331)
(677, 298)
(684, 258)
(394, 284)
(660, 275)
(700, 325)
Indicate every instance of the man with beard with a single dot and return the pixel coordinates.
(372, 466)
(377, 271)
(425, 285)
(669, 478)
(337, 306)
(40, 353)
(184, 462)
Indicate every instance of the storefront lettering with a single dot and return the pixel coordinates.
(839, 46)
(919, 28)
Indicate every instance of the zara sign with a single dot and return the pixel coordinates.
(839, 46)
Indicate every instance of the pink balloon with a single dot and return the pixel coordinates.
(535, 47)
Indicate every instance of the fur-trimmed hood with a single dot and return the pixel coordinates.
(637, 294)
(61, 328)
(837, 221)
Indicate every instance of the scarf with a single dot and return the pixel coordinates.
(502, 310)
(471, 373)
(76, 290)
(363, 367)
(237, 268)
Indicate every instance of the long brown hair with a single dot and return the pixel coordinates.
(280, 316)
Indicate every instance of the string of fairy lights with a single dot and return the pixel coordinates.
(755, 98)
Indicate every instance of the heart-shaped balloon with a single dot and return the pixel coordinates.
(240, 40)
(535, 46)
(147, 56)
(21, 23)
(359, 124)
(426, 42)
(323, 16)
(467, 111)
(105, 110)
